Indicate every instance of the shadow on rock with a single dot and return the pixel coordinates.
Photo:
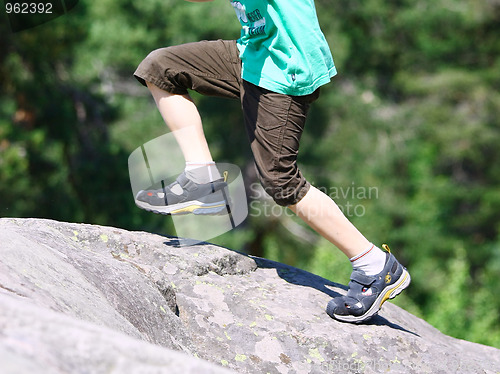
(303, 278)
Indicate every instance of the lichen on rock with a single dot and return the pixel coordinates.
(83, 298)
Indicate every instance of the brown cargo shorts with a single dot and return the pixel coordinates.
(274, 122)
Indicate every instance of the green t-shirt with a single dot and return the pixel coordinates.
(282, 47)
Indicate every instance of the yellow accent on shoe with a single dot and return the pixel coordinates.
(386, 247)
(192, 208)
(188, 209)
(388, 293)
(386, 297)
(388, 278)
(226, 174)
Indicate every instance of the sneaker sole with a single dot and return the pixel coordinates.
(194, 207)
(389, 293)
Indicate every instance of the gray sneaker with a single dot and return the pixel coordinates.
(185, 196)
(367, 293)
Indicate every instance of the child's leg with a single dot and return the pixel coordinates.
(210, 68)
(274, 123)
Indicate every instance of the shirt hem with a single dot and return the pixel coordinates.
(290, 90)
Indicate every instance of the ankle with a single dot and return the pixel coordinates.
(370, 262)
(202, 172)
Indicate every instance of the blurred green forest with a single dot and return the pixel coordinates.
(406, 137)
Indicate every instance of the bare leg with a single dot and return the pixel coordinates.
(182, 117)
(321, 213)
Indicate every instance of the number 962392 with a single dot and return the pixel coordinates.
(28, 8)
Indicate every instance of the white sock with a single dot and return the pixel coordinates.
(371, 261)
(202, 172)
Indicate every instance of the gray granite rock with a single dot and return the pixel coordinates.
(77, 298)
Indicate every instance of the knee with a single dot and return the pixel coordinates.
(149, 69)
(159, 68)
(285, 188)
(156, 62)
(158, 57)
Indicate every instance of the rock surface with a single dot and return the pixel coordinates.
(78, 298)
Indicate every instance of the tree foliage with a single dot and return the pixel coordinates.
(413, 117)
